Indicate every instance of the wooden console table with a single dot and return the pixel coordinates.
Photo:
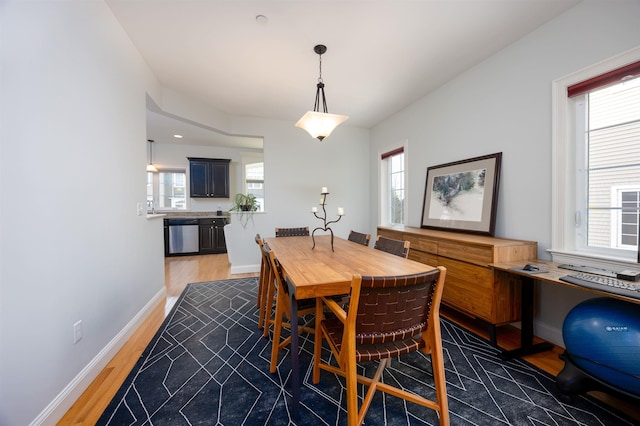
(471, 286)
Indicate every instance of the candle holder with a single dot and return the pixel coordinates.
(323, 218)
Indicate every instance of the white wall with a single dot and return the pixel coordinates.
(72, 170)
(504, 105)
(73, 158)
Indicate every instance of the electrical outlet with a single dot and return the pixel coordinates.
(77, 332)
(139, 209)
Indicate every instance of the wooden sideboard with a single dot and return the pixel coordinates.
(471, 285)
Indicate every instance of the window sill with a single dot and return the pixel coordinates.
(592, 259)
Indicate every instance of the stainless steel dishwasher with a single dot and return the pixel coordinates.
(182, 235)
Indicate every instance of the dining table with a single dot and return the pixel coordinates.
(326, 269)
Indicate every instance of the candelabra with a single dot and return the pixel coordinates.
(323, 218)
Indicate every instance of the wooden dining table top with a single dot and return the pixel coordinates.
(319, 271)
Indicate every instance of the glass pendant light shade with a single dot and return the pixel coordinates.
(151, 168)
(320, 124)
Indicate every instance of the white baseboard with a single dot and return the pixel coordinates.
(70, 394)
(244, 269)
(550, 334)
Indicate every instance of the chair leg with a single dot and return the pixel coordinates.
(351, 378)
(268, 306)
(260, 284)
(437, 364)
(277, 329)
(259, 298)
(317, 347)
(366, 402)
(262, 298)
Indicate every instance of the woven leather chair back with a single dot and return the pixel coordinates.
(292, 232)
(391, 309)
(397, 247)
(360, 238)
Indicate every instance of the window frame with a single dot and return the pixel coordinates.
(563, 166)
(384, 183)
(253, 159)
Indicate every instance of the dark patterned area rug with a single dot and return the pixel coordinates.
(209, 365)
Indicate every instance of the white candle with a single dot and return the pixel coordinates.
(340, 211)
(324, 190)
(321, 201)
(314, 210)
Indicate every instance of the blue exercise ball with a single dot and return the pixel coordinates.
(602, 336)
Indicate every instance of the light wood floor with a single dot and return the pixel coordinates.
(179, 271)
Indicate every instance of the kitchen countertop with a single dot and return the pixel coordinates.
(155, 215)
(193, 215)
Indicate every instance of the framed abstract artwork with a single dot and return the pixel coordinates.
(462, 196)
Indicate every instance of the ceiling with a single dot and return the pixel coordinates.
(161, 128)
(382, 55)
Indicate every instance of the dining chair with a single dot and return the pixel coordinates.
(292, 232)
(359, 237)
(270, 290)
(387, 317)
(264, 279)
(397, 247)
(283, 309)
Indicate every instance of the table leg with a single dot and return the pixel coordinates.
(295, 362)
(526, 331)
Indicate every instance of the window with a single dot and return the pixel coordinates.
(597, 161)
(166, 190)
(254, 182)
(608, 145)
(627, 223)
(393, 186)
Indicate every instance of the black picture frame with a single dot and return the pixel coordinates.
(462, 195)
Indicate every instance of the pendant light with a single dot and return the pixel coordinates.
(320, 124)
(150, 167)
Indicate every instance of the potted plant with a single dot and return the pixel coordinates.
(245, 205)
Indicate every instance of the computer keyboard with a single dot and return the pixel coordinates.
(588, 270)
(608, 284)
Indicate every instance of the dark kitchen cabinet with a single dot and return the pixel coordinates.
(209, 177)
(212, 235)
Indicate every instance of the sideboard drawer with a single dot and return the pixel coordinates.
(467, 252)
(396, 235)
(422, 244)
(475, 301)
(422, 257)
(473, 275)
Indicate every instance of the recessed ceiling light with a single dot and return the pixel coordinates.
(261, 19)
(177, 136)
